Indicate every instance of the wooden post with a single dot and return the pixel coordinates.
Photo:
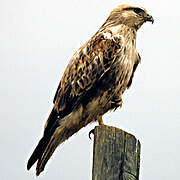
(116, 154)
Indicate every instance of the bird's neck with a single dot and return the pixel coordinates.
(123, 30)
(127, 34)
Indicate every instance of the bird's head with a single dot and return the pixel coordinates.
(132, 16)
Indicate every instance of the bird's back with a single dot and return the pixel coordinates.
(94, 80)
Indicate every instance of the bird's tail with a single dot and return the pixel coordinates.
(66, 127)
(40, 148)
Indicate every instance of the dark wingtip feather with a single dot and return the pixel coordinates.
(31, 161)
(29, 164)
(46, 155)
(37, 153)
(39, 150)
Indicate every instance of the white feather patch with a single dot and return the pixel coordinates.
(107, 35)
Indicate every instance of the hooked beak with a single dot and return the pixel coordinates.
(149, 18)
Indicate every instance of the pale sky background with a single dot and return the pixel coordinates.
(37, 39)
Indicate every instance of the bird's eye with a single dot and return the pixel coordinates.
(138, 10)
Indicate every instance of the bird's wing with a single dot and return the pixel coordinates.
(138, 60)
(81, 79)
(85, 70)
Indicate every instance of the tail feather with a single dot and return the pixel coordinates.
(46, 156)
(49, 130)
(62, 133)
(37, 152)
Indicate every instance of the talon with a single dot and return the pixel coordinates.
(91, 132)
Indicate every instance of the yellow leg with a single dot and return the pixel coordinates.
(100, 120)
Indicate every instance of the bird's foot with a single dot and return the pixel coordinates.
(91, 132)
(100, 121)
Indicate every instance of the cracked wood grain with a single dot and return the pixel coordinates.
(116, 154)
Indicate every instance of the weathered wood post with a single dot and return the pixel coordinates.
(116, 154)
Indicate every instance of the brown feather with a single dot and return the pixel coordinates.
(93, 82)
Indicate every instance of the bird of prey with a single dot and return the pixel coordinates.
(94, 80)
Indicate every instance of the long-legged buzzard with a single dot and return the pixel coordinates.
(94, 80)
